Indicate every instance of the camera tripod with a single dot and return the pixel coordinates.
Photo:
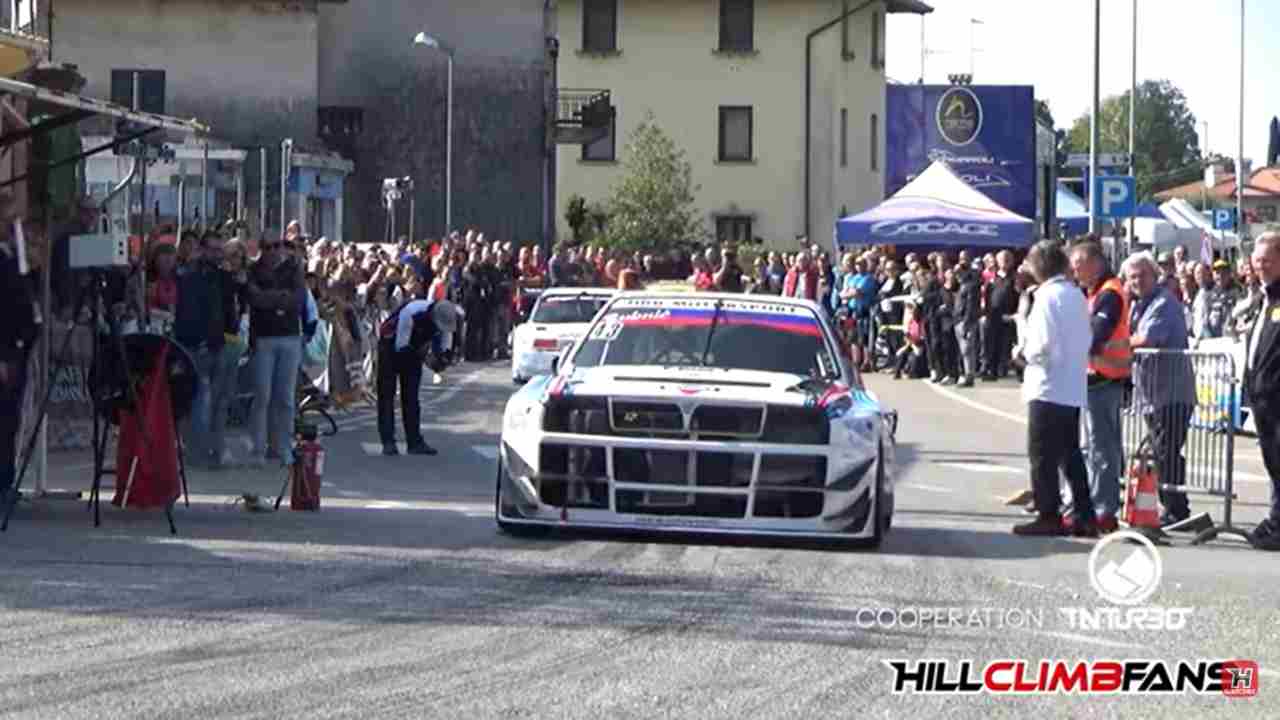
(102, 405)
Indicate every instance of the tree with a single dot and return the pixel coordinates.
(1168, 147)
(1044, 114)
(653, 205)
(576, 215)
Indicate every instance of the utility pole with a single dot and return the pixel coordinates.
(1241, 180)
(1093, 115)
(1133, 109)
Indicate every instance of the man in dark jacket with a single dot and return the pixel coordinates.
(276, 295)
(968, 310)
(200, 327)
(1262, 381)
(17, 334)
(1002, 303)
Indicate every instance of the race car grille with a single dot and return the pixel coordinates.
(790, 425)
(581, 415)
(647, 418)
(726, 420)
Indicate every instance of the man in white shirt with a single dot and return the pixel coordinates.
(1054, 386)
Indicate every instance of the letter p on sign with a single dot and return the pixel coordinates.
(1113, 195)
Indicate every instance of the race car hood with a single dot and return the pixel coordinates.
(729, 386)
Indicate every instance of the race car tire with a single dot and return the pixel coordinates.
(884, 508)
(510, 528)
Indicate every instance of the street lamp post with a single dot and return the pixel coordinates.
(1241, 180)
(1133, 109)
(426, 40)
(1093, 116)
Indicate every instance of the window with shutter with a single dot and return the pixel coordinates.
(737, 25)
(735, 133)
(599, 25)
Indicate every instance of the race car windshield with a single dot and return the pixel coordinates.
(725, 337)
(567, 309)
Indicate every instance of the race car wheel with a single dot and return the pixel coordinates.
(509, 528)
(883, 514)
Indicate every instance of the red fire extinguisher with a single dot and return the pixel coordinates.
(308, 469)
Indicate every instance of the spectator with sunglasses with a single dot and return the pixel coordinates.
(277, 295)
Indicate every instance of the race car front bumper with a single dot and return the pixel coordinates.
(680, 485)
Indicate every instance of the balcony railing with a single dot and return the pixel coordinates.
(24, 22)
(583, 108)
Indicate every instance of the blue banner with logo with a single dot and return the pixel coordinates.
(986, 133)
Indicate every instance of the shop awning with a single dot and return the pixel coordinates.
(93, 106)
(79, 108)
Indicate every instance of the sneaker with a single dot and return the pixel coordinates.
(1106, 524)
(1024, 497)
(422, 449)
(1042, 526)
(1265, 530)
(390, 450)
(966, 383)
(947, 381)
(1076, 527)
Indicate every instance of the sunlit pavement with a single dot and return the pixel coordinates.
(399, 599)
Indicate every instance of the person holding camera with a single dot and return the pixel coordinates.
(419, 331)
(17, 335)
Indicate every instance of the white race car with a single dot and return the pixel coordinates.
(560, 317)
(733, 414)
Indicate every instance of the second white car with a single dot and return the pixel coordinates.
(558, 319)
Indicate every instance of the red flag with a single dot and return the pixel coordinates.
(151, 440)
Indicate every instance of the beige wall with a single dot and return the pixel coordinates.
(667, 66)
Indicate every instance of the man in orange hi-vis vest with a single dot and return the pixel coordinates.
(1110, 359)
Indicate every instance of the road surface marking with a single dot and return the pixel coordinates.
(981, 467)
(1023, 583)
(1089, 639)
(488, 452)
(1244, 476)
(927, 488)
(389, 505)
(976, 405)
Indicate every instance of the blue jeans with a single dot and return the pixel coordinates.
(215, 387)
(1104, 451)
(275, 380)
(196, 441)
(223, 390)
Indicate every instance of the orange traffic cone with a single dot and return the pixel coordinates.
(1142, 498)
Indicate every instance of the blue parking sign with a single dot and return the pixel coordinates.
(1224, 219)
(1114, 196)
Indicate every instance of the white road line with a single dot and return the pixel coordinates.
(1089, 639)
(388, 505)
(1243, 476)
(1023, 583)
(927, 488)
(982, 468)
(488, 452)
(976, 405)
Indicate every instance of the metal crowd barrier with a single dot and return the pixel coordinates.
(1180, 415)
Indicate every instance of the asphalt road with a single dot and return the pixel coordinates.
(399, 598)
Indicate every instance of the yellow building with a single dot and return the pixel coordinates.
(726, 79)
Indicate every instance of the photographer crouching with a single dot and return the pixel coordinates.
(419, 332)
